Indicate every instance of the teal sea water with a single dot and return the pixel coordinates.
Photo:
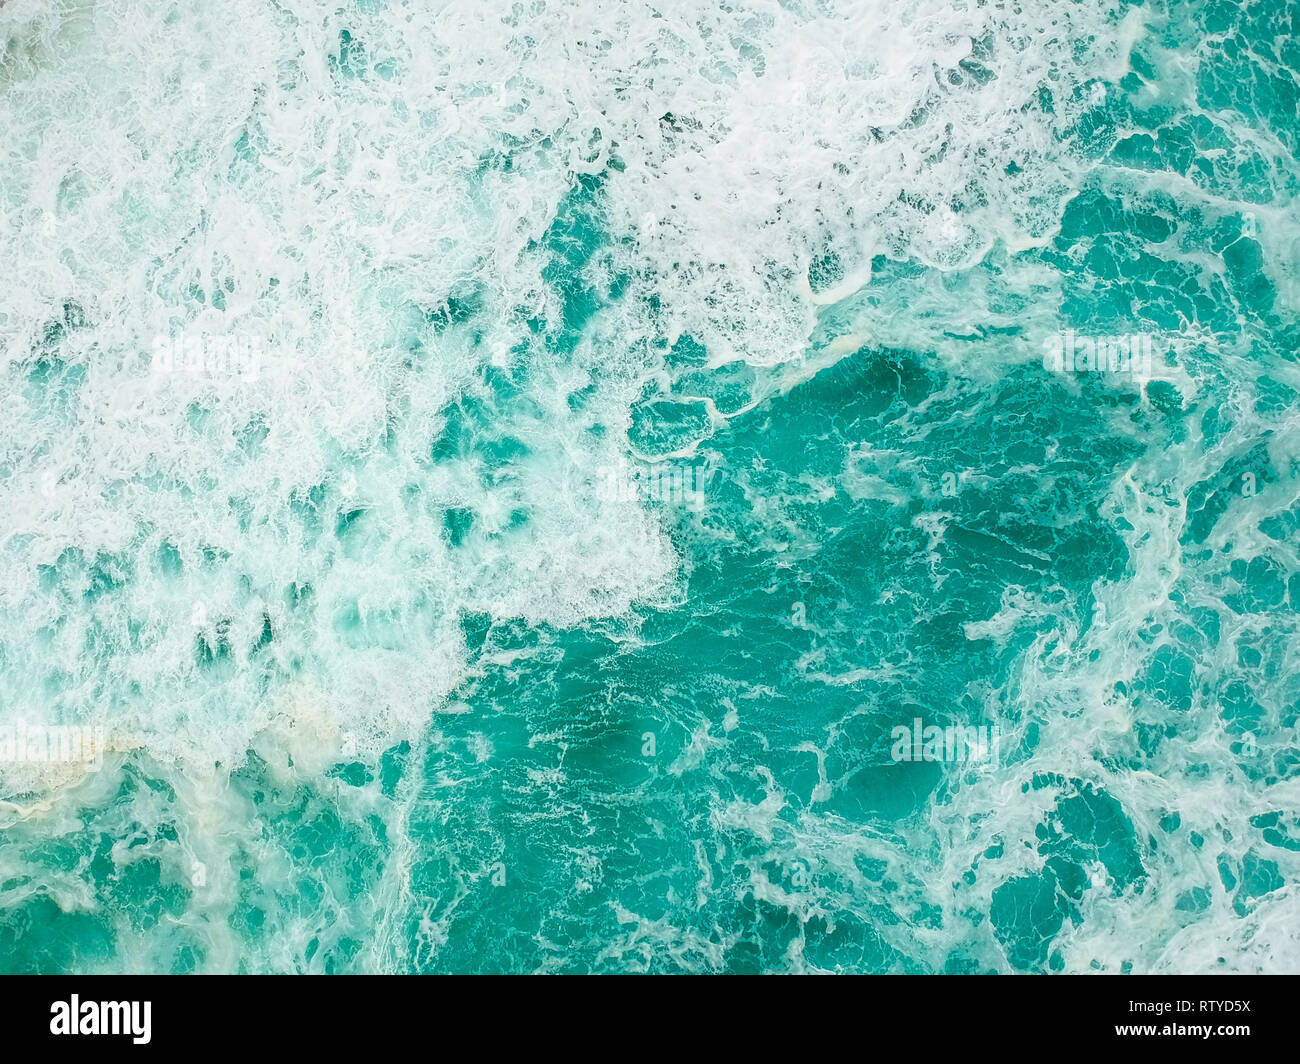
(501, 487)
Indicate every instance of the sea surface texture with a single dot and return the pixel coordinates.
(632, 486)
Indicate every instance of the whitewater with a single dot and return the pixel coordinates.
(485, 483)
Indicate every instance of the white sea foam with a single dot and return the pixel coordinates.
(318, 194)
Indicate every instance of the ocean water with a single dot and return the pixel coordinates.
(512, 486)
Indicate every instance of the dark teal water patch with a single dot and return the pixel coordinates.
(577, 823)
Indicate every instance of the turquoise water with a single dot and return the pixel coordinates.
(491, 483)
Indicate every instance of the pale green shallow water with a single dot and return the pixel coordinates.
(392, 680)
